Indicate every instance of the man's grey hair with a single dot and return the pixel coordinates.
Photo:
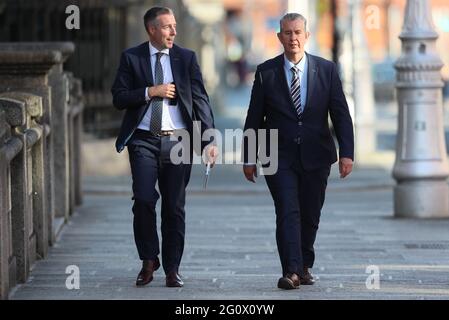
(150, 17)
(293, 17)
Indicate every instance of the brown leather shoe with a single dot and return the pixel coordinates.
(173, 280)
(290, 281)
(145, 275)
(307, 279)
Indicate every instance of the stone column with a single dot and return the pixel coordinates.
(33, 134)
(364, 112)
(27, 70)
(35, 139)
(5, 209)
(25, 180)
(307, 8)
(203, 17)
(76, 107)
(421, 167)
(58, 81)
(23, 239)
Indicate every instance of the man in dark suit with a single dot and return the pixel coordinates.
(294, 93)
(160, 86)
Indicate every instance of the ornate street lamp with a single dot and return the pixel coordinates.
(421, 166)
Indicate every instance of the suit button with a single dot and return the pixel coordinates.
(297, 140)
(300, 123)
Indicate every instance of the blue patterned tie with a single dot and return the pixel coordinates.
(296, 91)
(156, 106)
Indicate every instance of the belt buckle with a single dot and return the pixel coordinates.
(164, 133)
(167, 132)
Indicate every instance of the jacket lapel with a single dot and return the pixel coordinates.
(312, 72)
(176, 69)
(175, 65)
(282, 77)
(145, 63)
(284, 85)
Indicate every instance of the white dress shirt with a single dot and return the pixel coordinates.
(171, 115)
(302, 67)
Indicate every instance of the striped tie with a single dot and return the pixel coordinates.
(296, 91)
(156, 106)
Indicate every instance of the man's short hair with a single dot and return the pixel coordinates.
(150, 17)
(292, 17)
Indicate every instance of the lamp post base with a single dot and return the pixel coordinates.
(421, 199)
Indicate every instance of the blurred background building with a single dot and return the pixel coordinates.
(230, 37)
(251, 26)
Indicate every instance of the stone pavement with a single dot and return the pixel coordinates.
(230, 250)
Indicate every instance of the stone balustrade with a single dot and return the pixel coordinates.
(40, 153)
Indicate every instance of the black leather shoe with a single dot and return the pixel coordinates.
(145, 275)
(307, 279)
(290, 281)
(173, 280)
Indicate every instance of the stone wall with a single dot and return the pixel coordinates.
(40, 163)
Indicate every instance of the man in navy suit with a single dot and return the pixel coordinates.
(294, 93)
(160, 87)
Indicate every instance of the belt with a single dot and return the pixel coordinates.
(165, 133)
(162, 133)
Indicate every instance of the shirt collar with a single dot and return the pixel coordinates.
(153, 50)
(301, 64)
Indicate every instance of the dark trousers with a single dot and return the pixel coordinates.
(149, 157)
(298, 198)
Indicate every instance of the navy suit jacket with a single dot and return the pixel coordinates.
(134, 75)
(271, 107)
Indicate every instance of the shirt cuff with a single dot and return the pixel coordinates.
(147, 98)
(249, 164)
